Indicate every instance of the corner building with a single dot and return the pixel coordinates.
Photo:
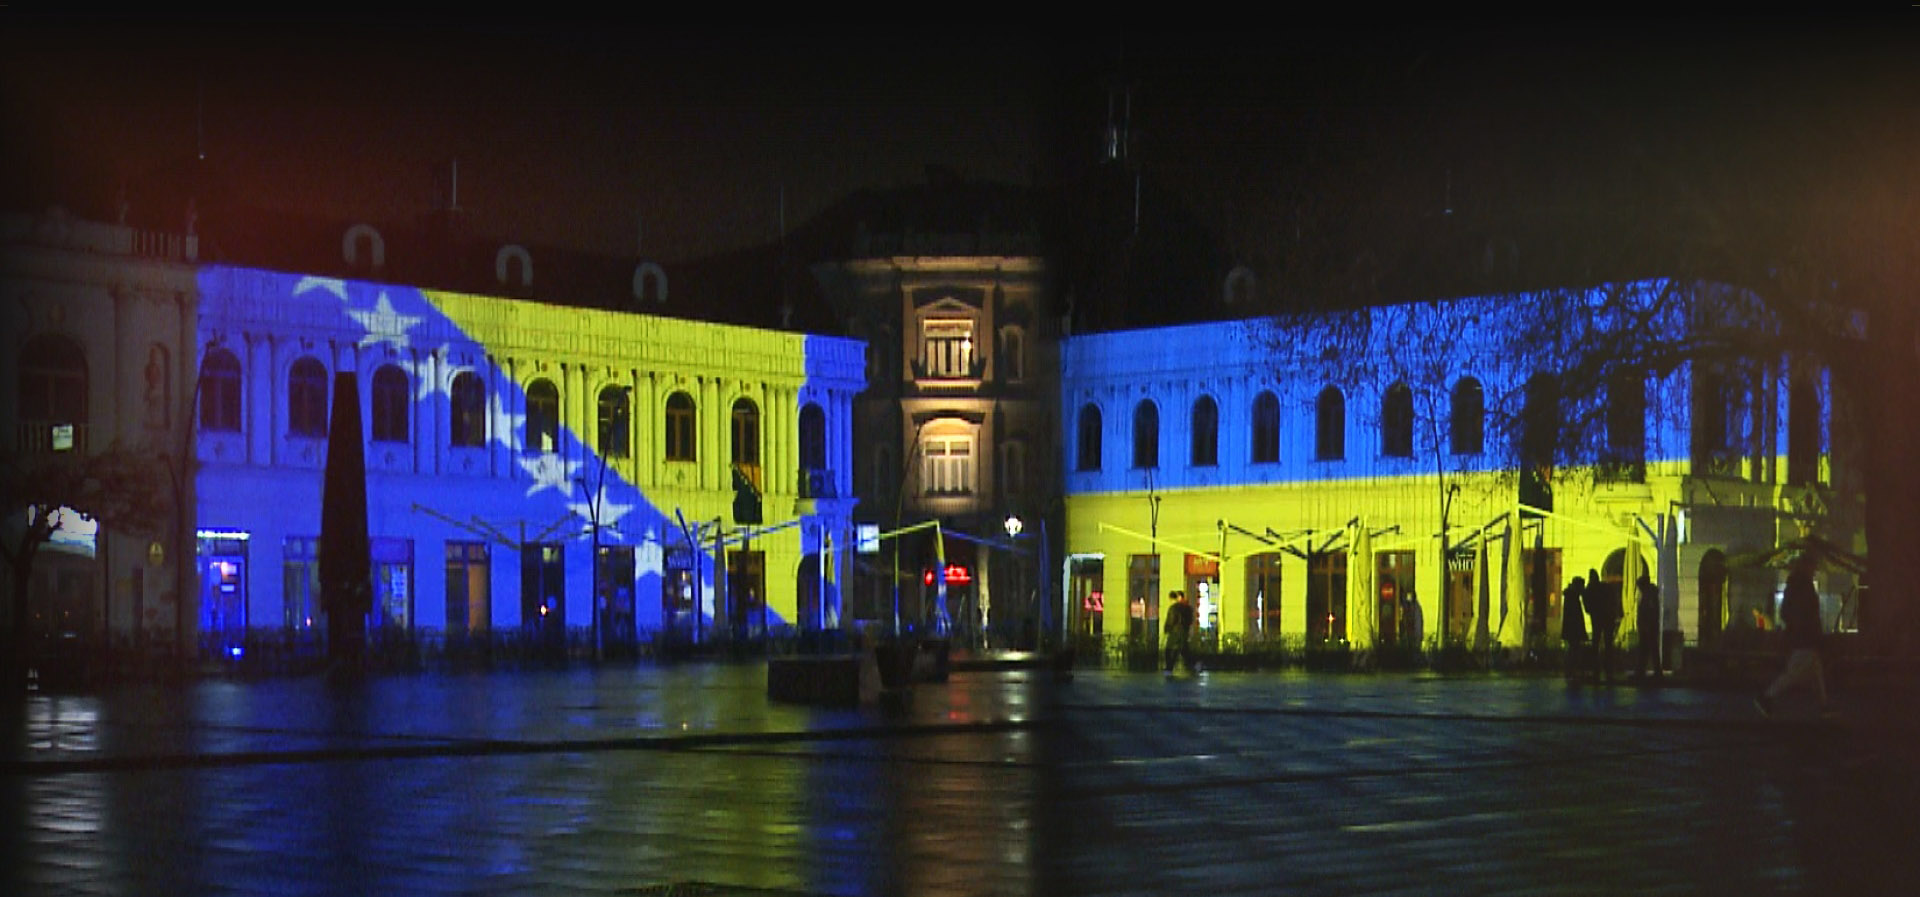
(1403, 476)
(528, 464)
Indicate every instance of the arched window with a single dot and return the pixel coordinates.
(1804, 427)
(1266, 428)
(1206, 432)
(613, 422)
(543, 416)
(680, 443)
(746, 434)
(391, 396)
(1087, 455)
(468, 421)
(1146, 435)
(815, 479)
(1330, 425)
(307, 399)
(1468, 430)
(53, 391)
(1627, 424)
(220, 392)
(1396, 422)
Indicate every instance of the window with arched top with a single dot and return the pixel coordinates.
(467, 421)
(220, 392)
(543, 416)
(746, 433)
(815, 479)
(1330, 425)
(680, 442)
(1396, 422)
(390, 397)
(53, 391)
(1146, 435)
(1266, 428)
(307, 399)
(1087, 441)
(1206, 433)
(1467, 429)
(614, 423)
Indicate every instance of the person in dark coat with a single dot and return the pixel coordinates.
(1646, 624)
(1573, 627)
(1603, 612)
(1179, 631)
(1800, 612)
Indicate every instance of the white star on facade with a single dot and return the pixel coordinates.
(549, 471)
(384, 324)
(502, 423)
(332, 285)
(610, 511)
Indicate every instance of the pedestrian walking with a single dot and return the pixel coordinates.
(1800, 613)
(1603, 613)
(1178, 631)
(1573, 627)
(1646, 625)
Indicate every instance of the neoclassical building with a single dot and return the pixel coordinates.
(1409, 473)
(94, 317)
(532, 468)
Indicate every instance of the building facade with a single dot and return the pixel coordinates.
(957, 424)
(535, 471)
(95, 317)
(1407, 476)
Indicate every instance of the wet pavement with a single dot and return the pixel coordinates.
(687, 780)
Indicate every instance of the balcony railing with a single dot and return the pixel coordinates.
(37, 437)
(817, 482)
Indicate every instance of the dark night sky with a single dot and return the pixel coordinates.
(575, 134)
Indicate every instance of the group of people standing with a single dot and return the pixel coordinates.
(1594, 607)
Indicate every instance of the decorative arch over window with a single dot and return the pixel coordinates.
(543, 416)
(376, 247)
(614, 422)
(307, 399)
(1206, 433)
(220, 392)
(1239, 287)
(1468, 426)
(503, 265)
(1330, 425)
(1146, 434)
(391, 399)
(746, 437)
(1266, 428)
(681, 444)
(1396, 421)
(1087, 445)
(53, 390)
(468, 421)
(649, 280)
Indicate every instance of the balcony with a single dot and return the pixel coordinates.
(37, 437)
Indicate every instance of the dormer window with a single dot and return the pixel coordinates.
(947, 349)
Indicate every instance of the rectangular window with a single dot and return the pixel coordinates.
(300, 579)
(1263, 595)
(948, 468)
(469, 589)
(1326, 598)
(680, 440)
(392, 584)
(1143, 598)
(948, 348)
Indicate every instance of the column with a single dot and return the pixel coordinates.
(646, 423)
(261, 421)
(426, 425)
(712, 451)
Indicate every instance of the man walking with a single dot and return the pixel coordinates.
(1179, 630)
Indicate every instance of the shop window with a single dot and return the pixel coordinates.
(469, 587)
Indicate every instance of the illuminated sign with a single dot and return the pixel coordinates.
(956, 575)
(867, 538)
